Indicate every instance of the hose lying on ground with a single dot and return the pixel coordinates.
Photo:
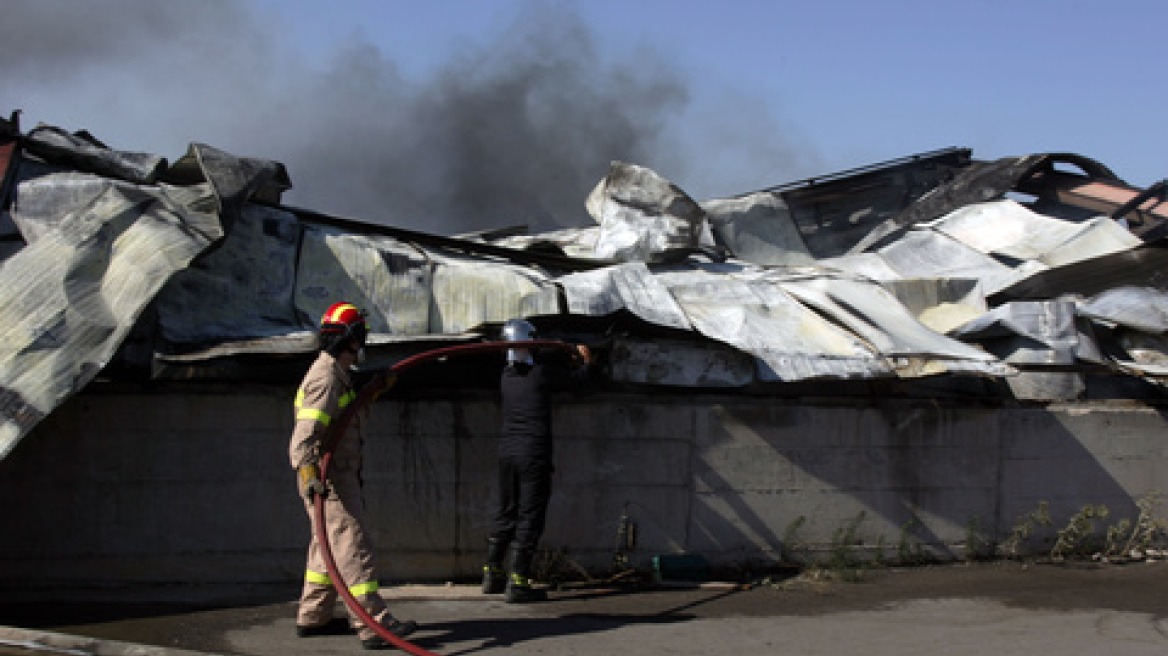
(336, 431)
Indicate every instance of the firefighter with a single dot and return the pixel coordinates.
(323, 394)
(525, 463)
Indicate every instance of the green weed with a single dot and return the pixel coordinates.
(1024, 528)
(842, 557)
(1077, 538)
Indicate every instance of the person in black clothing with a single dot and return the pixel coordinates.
(525, 462)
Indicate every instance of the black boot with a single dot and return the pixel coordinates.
(494, 576)
(519, 590)
(399, 628)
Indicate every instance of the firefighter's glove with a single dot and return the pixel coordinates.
(582, 355)
(310, 483)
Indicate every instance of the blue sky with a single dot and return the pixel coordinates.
(388, 110)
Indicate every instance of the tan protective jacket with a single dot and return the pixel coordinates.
(325, 392)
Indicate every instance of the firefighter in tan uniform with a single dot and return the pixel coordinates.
(324, 393)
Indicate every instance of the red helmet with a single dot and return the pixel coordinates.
(340, 323)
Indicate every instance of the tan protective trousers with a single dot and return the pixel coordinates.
(352, 551)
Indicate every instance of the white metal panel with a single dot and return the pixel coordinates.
(878, 318)
(630, 286)
(1097, 237)
(469, 293)
(72, 296)
(790, 341)
(390, 280)
(758, 228)
(926, 253)
(642, 216)
(1142, 308)
(1008, 229)
(1004, 227)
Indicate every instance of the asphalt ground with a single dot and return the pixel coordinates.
(999, 608)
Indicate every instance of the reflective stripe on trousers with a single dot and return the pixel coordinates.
(369, 587)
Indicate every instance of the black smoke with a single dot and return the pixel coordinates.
(518, 131)
(513, 129)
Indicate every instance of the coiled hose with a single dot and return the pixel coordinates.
(369, 393)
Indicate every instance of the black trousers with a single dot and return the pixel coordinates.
(525, 485)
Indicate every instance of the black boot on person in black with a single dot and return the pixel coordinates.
(519, 590)
(494, 576)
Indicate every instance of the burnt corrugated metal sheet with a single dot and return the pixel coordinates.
(74, 293)
(752, 290)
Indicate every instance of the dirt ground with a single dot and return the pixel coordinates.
(982, 607)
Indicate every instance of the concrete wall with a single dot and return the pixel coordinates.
(178, 484)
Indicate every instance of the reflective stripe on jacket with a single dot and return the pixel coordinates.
(325, 392)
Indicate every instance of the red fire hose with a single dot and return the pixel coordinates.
(337, 429)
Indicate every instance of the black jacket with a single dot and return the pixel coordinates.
(526, 392)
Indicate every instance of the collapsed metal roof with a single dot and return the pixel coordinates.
(932, 266)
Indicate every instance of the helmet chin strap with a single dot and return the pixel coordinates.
(357, 350)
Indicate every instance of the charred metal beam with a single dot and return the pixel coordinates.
(950, 156)
(540, 257)
(491, 234)
(835, 211)
(976, 184)
(1144, 266)
(1143, 203)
